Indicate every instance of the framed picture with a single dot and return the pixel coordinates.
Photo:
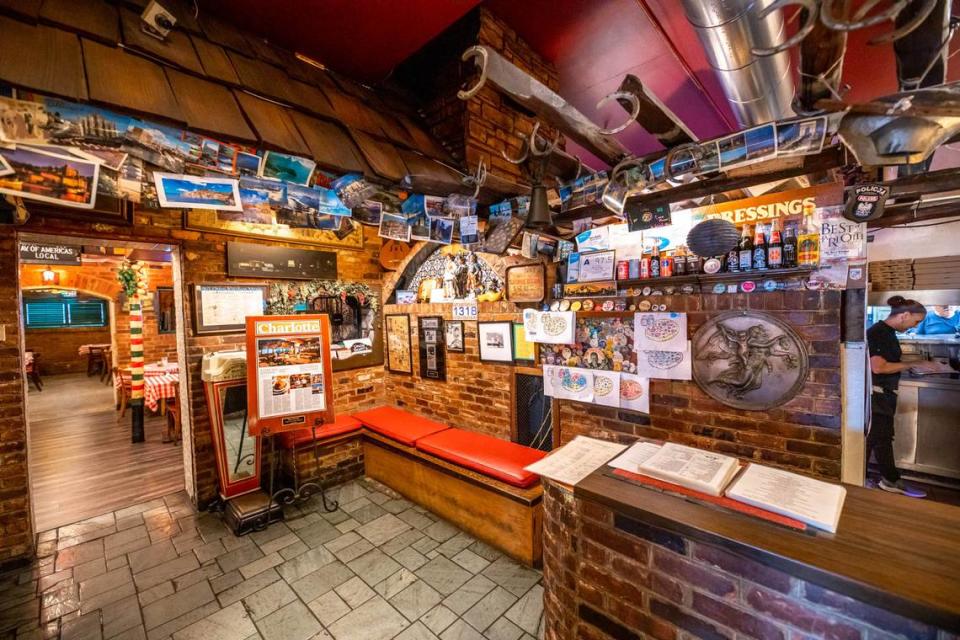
(496, 341)
(454, 335)
(523, 349)
(596, 266)
(347, 235)
(223, 308)
(433, 365)
(526, 283)
(405, 296)
(264, 261)
(356, 331)
(399, 355)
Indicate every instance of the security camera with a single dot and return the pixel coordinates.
(156, 20)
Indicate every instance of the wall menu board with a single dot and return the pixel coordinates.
(289, 381)
(223, 308)
(433, 365)
(526, 283)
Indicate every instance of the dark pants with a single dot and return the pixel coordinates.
(883, 407)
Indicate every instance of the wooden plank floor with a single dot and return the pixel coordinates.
(82, 462)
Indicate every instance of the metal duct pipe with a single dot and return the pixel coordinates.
(760, 89)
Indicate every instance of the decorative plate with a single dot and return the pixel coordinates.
(575, 305)
(644, 305)
(564, 305)
(588, 305)
(607, 305)
(555, 305)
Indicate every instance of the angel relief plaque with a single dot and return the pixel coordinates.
(749, 360)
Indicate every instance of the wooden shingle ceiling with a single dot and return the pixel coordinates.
(216, 80)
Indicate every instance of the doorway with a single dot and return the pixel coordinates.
(76, 328)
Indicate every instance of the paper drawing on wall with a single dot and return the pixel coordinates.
(749, 360)
(665, 365)
(660, 331)
(599, 343)
(568, 383)
(606, 388)
(634, 393)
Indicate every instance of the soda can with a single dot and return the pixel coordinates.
(666, 267)
(623, 270)
(644, 268)
(634, 268)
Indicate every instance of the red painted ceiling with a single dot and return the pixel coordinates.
(593, 43)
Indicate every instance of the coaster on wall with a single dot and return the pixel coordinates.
(564, 305)
(687, 289)
(607, 305)
(555, 305)
(748, 286)
(633, 307)
(670, 290)
(575, 305)
(588, 305)
(719, 288)
(620, 305)
(711, 265)
(661, 307)
(646, 291)
(644, 305)
(769, 285)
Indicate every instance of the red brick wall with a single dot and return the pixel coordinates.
(601, 582)
(57, 348)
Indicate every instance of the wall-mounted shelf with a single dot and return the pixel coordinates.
(707, 278)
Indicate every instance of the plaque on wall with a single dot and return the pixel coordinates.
(397, 331)
(749, 360)
(41, 253)
(526, 283)
(433, 365)
(264, 261)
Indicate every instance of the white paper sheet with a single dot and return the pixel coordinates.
(568, 383)
(576, 460)
(606, 388)
(814, 502)
(634, 393)
(637, 454)
(554, 327)
(665, 365)
(531, 324)
(661, 331)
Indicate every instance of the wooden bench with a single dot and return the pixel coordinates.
(473, 480)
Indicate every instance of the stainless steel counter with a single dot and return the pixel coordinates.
(927, 425)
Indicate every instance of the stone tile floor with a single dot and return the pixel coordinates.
(379, 567)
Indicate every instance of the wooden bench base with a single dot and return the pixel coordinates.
(501, 515)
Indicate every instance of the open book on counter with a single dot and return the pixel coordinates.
(810, 501)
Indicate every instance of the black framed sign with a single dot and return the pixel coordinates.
(433, 365)
(40, 253)
(454, 334)
(223, 308)
(264, 261)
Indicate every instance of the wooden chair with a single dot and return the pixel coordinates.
(107, 366)
(172, 433)
(124, 385)
(95, 362)
(33, 370)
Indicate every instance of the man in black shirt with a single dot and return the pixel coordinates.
(886, 366)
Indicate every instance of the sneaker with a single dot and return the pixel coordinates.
(900, 487)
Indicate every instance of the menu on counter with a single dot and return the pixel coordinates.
(702, 471)
(576, 460)
(814, 502)
(637, 454)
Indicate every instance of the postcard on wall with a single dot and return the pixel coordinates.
(606, 388)
(50, 177)
(531, 324)
(368, 212)
(196, 192)
(281, 166)
(660, 331)
(568, 383)
(5, 168)
(454, 335)
(441, 230)
(594, 239)
(468, 230)
(801, 137)
(634, 393)
(22, 121)
(393, 226)
(665, 365)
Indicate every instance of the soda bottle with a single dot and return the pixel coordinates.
(745, 250)
(760, 249)
(808, 240)
(775, 248)
(790, 246)
(655, 261)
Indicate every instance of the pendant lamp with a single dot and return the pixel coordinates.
(539, 216)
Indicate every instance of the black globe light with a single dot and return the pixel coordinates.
(714, 237)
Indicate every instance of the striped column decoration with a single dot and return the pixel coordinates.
(134, 280)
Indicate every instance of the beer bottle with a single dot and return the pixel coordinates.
(808, 240)
(745, 250)
(775, 248)
(655, 261)
(694, 264)
(760, 249)
(680, 261)
(790, 246)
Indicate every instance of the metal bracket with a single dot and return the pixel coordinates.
(813, 9)
(479, 55)
(859, 20)
(634, 109)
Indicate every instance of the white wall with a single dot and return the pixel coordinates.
(915, 242)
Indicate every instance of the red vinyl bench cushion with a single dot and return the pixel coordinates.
(343, 424)
(490, 456)
(400, 425)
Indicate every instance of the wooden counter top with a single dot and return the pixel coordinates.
(892, 552)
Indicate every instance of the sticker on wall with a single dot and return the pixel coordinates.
(660, 331)
(634, 393)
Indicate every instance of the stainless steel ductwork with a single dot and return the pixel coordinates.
(760, 89)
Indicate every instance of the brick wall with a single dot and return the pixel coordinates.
(57, 348)
(601, 582)
(204, 260)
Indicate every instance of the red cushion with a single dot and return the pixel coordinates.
(344, 423)
(488, 455)
(398, 424)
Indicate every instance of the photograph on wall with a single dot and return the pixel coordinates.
(441, 230)
(433, 364)
(454, 335)
(57, 178)
(420, 227)
(601, 343)
(634, 393)
(468, 230)
(368, 212)
(22, 121)
(399, 355)
(665, 365)
(568, 383)
(523, 350)
(196, 192)
(349, 235)
(393, 226)
(248, 164)
(733, 150)
(292, 169)
(496, 341)
(660, 331)
(606, 388)
(801, 137)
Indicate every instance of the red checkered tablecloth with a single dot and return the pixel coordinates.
(156, 389)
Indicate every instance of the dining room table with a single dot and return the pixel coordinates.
(160, 382)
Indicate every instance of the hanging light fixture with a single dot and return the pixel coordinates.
(539, 216)
(49, 276)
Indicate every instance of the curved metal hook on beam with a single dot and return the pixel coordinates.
(523, 156)
(479, 179)
(547, 150)
(634, 109)
(909, 27)
(859, 20)
(691, 148)
(627, 163)
(813, 9)
(479, 55)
